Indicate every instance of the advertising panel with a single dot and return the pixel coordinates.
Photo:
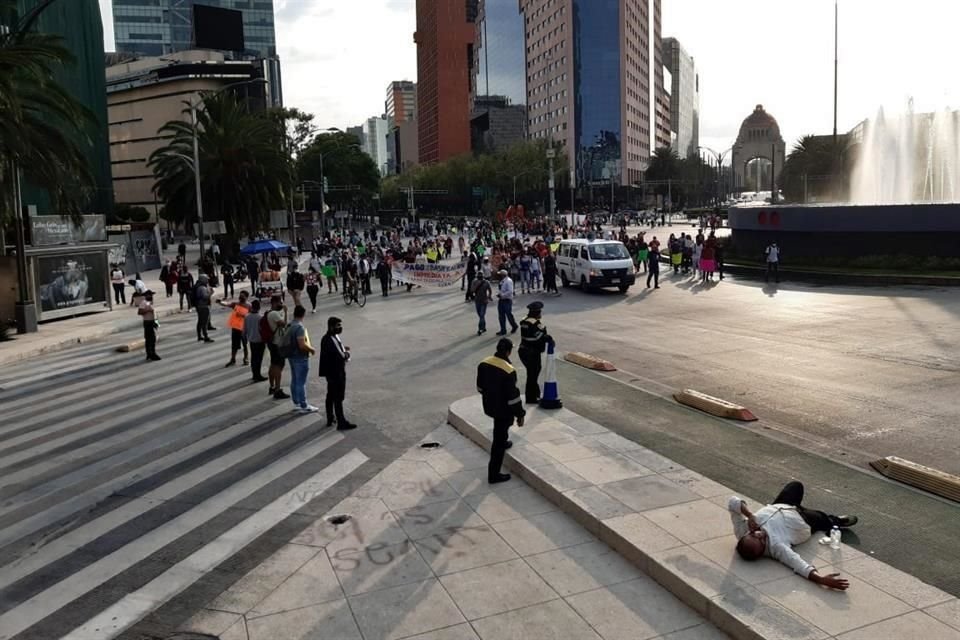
(65, 283)
(51, 230)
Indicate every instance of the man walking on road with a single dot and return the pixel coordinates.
(300, 352)
(505, 303)
(201, 300)
(533, 342)
(383, 273)
(773, 260)
(774, 530)
(146, 313)
(482, 294)
(333, 367)
(497, 382)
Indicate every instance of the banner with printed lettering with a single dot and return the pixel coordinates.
(430, 275)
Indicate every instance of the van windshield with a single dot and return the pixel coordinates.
(611, 251)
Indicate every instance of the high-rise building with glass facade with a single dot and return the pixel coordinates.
(162, 27)
(159, 27)
(79, 23)
(498, 88)
(595, 83)
(684, 97)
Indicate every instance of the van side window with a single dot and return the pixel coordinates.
(583, 253)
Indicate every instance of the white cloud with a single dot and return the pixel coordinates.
(339, 55)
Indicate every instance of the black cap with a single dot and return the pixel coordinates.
(535, 306)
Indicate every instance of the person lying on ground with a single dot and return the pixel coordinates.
(775, 529)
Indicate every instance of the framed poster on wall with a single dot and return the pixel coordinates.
(69, 283)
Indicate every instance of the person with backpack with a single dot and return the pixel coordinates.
(298, 352)
(772, 252)
(273, 327)
(201, 300)
(251, 331)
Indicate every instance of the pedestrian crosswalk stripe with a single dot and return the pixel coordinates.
(36, 608)
(59, 367)
(123, 614)
(90, 531)
(132, 439)
(69, 403)
(42, 519)
(187, 432)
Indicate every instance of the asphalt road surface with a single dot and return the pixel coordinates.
(115, 471)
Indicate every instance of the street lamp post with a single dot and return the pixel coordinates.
(551, 154)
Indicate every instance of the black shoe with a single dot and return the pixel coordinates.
(260, 379)
(347, 427)
(232, 363)
(479, 333)
(514, 330)
(500, 477)
(211, 328)
(509, 444)
(501, 333)
(534, 401)
(280, 395)
(331, 422)
(845, 521)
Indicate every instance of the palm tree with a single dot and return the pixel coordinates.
(42, 128)
(243, 168)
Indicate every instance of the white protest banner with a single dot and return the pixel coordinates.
(432, 275)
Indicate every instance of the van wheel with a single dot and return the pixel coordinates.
(623, 288)
(583, 284)
(563, 279)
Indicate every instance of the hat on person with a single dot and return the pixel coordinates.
(502, 272)
(203, 278)
(536, 305)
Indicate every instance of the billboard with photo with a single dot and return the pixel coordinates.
(68, 282)
(51, 230)
(135, 251)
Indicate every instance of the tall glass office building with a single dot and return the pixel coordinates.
(159, 27)
(499, 53)
(78, 22)
(595, 83)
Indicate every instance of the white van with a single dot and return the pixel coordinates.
(595, 263)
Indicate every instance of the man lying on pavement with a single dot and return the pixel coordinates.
(774, 530)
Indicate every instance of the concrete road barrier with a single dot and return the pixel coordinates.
(714, 406)
(133, 345)
(933, 480)
(589, 362)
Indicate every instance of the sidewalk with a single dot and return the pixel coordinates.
(57, 335)
(432, 552)
(673, 524)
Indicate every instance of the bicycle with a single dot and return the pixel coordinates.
(353, 293)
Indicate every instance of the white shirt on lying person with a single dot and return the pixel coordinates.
(784, 527)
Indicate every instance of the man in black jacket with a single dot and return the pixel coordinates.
(533, 342)
(333, 367)
(497, 382)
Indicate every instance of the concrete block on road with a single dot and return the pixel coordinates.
(589, 362)
(714, 406)
(133, 345)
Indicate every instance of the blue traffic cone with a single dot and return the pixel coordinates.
(551, 392)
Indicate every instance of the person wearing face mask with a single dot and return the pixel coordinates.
(333, 367)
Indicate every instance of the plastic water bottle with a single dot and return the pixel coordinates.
(835, 538)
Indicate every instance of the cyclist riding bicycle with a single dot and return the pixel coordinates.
(352, 279)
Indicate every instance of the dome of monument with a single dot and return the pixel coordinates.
(761, 124)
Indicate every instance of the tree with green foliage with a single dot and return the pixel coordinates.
(337, 156)
(244, 171)
(815, 170)
(42, 127)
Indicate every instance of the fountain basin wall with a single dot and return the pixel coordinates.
(843, 230)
